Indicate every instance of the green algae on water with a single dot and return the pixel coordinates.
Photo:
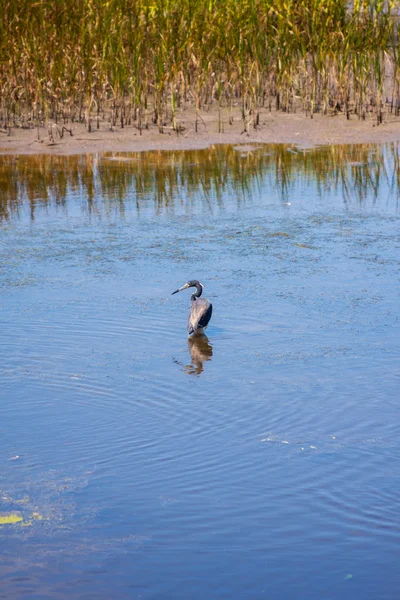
(10, 518)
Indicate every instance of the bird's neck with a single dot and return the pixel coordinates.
(197, 293)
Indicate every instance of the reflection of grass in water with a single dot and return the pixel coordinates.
(191, 178)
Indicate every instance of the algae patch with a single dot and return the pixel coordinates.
(10, 518)
(44, 504)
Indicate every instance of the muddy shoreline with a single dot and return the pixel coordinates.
(297, 129)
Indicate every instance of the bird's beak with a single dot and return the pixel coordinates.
(184, 287)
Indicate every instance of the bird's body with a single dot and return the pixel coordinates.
(199, 316)
(200, 310)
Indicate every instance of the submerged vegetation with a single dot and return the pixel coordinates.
(139, 62)
(10, 519)
(175, 180)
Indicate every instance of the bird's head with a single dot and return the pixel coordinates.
(192, 283)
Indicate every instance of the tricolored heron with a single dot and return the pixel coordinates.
(200, 310)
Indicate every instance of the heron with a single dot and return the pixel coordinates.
(200, 310)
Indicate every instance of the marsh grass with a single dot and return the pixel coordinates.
(142, 62)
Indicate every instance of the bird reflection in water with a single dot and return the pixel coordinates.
(200, 352)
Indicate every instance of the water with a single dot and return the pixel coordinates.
(260, 462)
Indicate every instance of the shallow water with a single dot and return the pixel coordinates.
(260, 462)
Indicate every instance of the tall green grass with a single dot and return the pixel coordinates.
(141, 61)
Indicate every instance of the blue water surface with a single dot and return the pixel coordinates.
(260, 462)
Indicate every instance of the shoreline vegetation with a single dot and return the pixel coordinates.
(207, 69)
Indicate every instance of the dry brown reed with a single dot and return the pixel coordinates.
(140, 62)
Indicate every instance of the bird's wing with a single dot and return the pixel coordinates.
(200, 315)
(205, 317)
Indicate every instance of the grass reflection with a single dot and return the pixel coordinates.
(194, 178)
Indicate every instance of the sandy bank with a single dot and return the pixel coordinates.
(274, 128)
